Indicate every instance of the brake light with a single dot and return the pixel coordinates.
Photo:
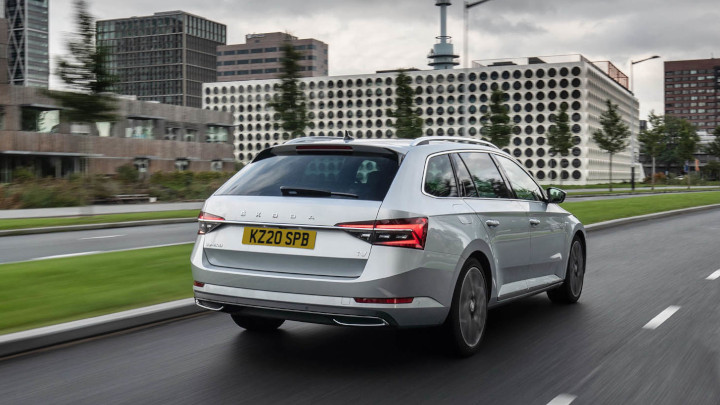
(344, 148)
(402, 232)
(198, 283)
(208, 222)
(384, 300)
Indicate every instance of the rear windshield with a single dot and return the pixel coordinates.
(356, 176)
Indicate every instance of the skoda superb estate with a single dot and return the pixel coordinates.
(384, 233)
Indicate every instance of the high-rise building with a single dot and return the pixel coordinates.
(28, 42)
(692, 92)
(259, 57)
(452, 103)
(165, 57)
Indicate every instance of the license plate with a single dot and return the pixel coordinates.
(279, 237)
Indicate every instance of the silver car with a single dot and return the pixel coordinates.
(384, 233)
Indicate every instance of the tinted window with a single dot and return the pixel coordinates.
(439, 177)
(523, 185)
(485, 175)
(467, 188)
(368, 177)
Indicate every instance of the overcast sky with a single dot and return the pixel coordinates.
(369, 35)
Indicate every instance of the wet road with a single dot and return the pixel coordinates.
(646, 331)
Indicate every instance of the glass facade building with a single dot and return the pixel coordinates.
(28, 42)
(165, 57)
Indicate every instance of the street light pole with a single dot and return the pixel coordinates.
(466, 60)
(632, 138)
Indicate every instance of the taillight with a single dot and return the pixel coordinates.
(402, 232)
(208, 222)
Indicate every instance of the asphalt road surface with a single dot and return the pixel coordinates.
(63, 244)
(646, 331)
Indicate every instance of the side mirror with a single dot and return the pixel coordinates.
(555, 195)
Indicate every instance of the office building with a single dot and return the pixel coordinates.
(451, 103)
(259, 57)
(151, 136)
(692, 92)
(165, 57)
(27, 51)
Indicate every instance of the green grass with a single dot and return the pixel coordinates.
(627, 185)
(22, 223)
(45, 292)
(604, 210)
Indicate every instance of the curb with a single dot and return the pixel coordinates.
(32, 339)
(570, 196)
(88, 227)
(19, 342)
(647, 217)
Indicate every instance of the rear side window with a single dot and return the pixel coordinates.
(439, 177)
(485, 175)
(365, 177)
(467, 187)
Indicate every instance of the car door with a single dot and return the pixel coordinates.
(547, 227)
(501, 217)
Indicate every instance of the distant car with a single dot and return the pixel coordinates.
(384, 233)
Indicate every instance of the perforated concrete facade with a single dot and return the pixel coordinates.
(359, 104)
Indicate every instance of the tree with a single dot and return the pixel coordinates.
(85, 72)
(290, 103)
(653, 141)
(713, 148)
(613, 137)
(559, 137)
(408, 123)
(496, 127)
(681, 141)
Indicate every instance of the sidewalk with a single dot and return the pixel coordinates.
(98, 210)
(639, 188)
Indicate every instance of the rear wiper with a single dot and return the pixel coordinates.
(312, 192)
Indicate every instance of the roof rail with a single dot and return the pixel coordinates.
(313, 139)
(425, 140)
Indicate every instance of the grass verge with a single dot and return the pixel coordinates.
(40, 293)
(604, 210)
(22, 223)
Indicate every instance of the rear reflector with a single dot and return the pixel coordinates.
(198, 283)
(402, 232)
(208, 222)
(384, 300)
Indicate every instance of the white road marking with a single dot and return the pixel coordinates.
(562, 399)
(714, 276)
(101, 237)
(66, 255)
(662, 317)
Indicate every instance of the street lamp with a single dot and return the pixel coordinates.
(632, 138)
(466, 62)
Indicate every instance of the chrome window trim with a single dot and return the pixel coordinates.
(490, 152)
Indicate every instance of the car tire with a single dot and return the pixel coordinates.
(571, 288)
(465, 325)
(256, 323)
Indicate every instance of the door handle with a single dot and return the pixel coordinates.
(492, 223)
(534, 222)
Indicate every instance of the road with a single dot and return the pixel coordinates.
(605, 350)
(49, 245)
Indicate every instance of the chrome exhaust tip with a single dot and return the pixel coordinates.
(209, 305)
(359, 321)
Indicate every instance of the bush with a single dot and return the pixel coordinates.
(53, 193)
(128, 173)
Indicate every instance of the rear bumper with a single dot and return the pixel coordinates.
(344, 311)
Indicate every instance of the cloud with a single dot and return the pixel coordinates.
(369, 35)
